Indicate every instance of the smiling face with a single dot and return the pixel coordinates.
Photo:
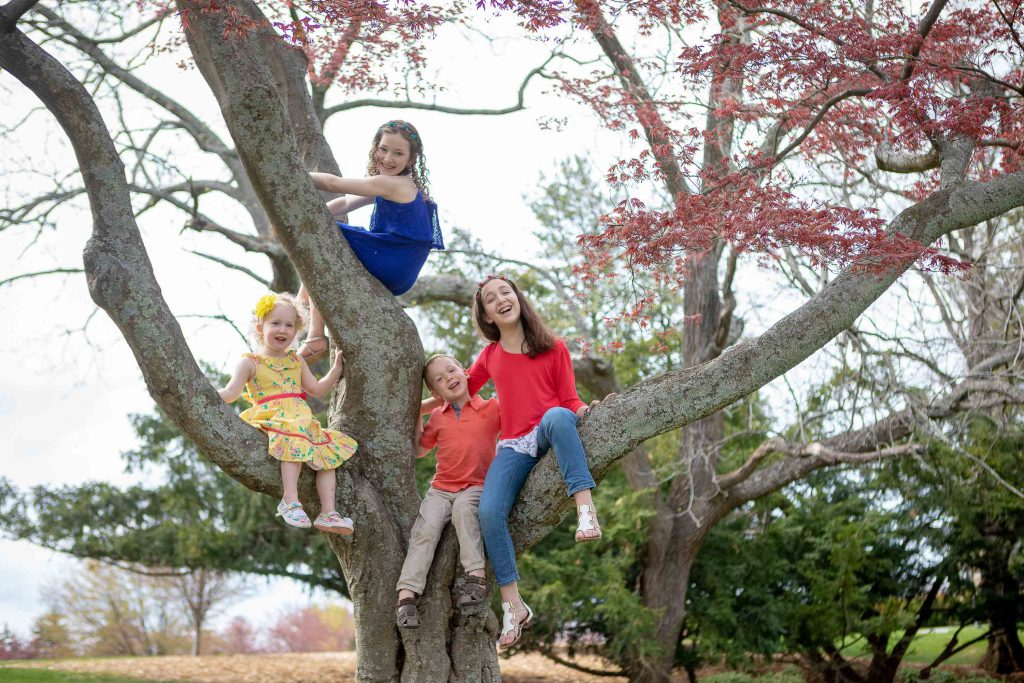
(393, 154)
(447, 380)
(278, 329)
(501, 303)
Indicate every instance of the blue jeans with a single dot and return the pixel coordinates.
(507, 475)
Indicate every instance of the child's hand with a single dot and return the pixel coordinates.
(339, 363)
(583, 410)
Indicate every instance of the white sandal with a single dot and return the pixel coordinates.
(333, 523)
(509, 626)
(293, 514)
(587, 521)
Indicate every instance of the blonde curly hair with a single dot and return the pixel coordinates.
(274, 300)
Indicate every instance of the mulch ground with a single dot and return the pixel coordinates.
(337, 667)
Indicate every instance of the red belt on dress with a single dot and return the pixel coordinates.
(277, 397)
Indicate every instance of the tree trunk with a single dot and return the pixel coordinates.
(1004, 654)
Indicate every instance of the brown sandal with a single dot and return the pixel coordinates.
(407, 615)
(474, 591)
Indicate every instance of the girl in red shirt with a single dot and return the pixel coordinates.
(536, 388)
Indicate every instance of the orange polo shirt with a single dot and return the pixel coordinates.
(465, 443)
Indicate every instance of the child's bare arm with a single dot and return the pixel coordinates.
(429, 404)
(342, 205)
(398, 188)
(243, 373)
(320, 388)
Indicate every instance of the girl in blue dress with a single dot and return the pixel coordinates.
(403, 227)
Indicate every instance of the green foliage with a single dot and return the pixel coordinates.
(583, 596)
(825, 562)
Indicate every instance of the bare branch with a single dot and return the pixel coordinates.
(204, 136)
(55, 271)
(923, 29)
(831, 102)
(233, 266)
(427, 106)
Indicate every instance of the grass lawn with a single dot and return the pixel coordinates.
(12, 675)
(927, 646)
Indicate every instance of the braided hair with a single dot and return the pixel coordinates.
(417, 166)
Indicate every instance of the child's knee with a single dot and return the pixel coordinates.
(464, 512)
(559, 417)
(490, 514)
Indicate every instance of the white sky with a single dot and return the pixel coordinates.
(65, 394)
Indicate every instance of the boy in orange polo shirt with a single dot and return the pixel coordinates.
(465, 431)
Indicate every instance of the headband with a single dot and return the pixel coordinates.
(265, 305)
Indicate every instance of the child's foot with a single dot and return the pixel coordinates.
(513, 622)
(474, 591)
(333, 523)
(408, 614)
(588, 528)
(293, 514)
(314, 348)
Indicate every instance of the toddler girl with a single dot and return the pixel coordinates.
(276, 381)
(403, 226)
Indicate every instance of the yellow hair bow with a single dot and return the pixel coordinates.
(265, 305)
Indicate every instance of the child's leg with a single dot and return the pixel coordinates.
(326, 485)
(435, 511)
(515, 615)
(501, 486)
(290, 480)
(316, 340)
(466, 520)
(558, 430)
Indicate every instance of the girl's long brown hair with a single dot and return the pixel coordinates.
(417, 166)
(538, 337)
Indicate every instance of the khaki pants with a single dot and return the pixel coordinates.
(437, 508)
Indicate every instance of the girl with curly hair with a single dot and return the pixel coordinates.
(403, 227)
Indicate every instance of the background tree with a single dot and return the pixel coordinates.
(51, 636)
(118, 612)
(266, 119)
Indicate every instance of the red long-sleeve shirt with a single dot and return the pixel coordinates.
(527, 387)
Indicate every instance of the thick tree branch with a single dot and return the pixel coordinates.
(14, 10)
(888, 159)
(445, 287)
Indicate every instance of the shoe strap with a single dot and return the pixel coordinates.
(587, 517)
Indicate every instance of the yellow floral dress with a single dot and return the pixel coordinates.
(279, 408)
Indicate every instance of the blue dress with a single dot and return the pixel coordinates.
(400, 237)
